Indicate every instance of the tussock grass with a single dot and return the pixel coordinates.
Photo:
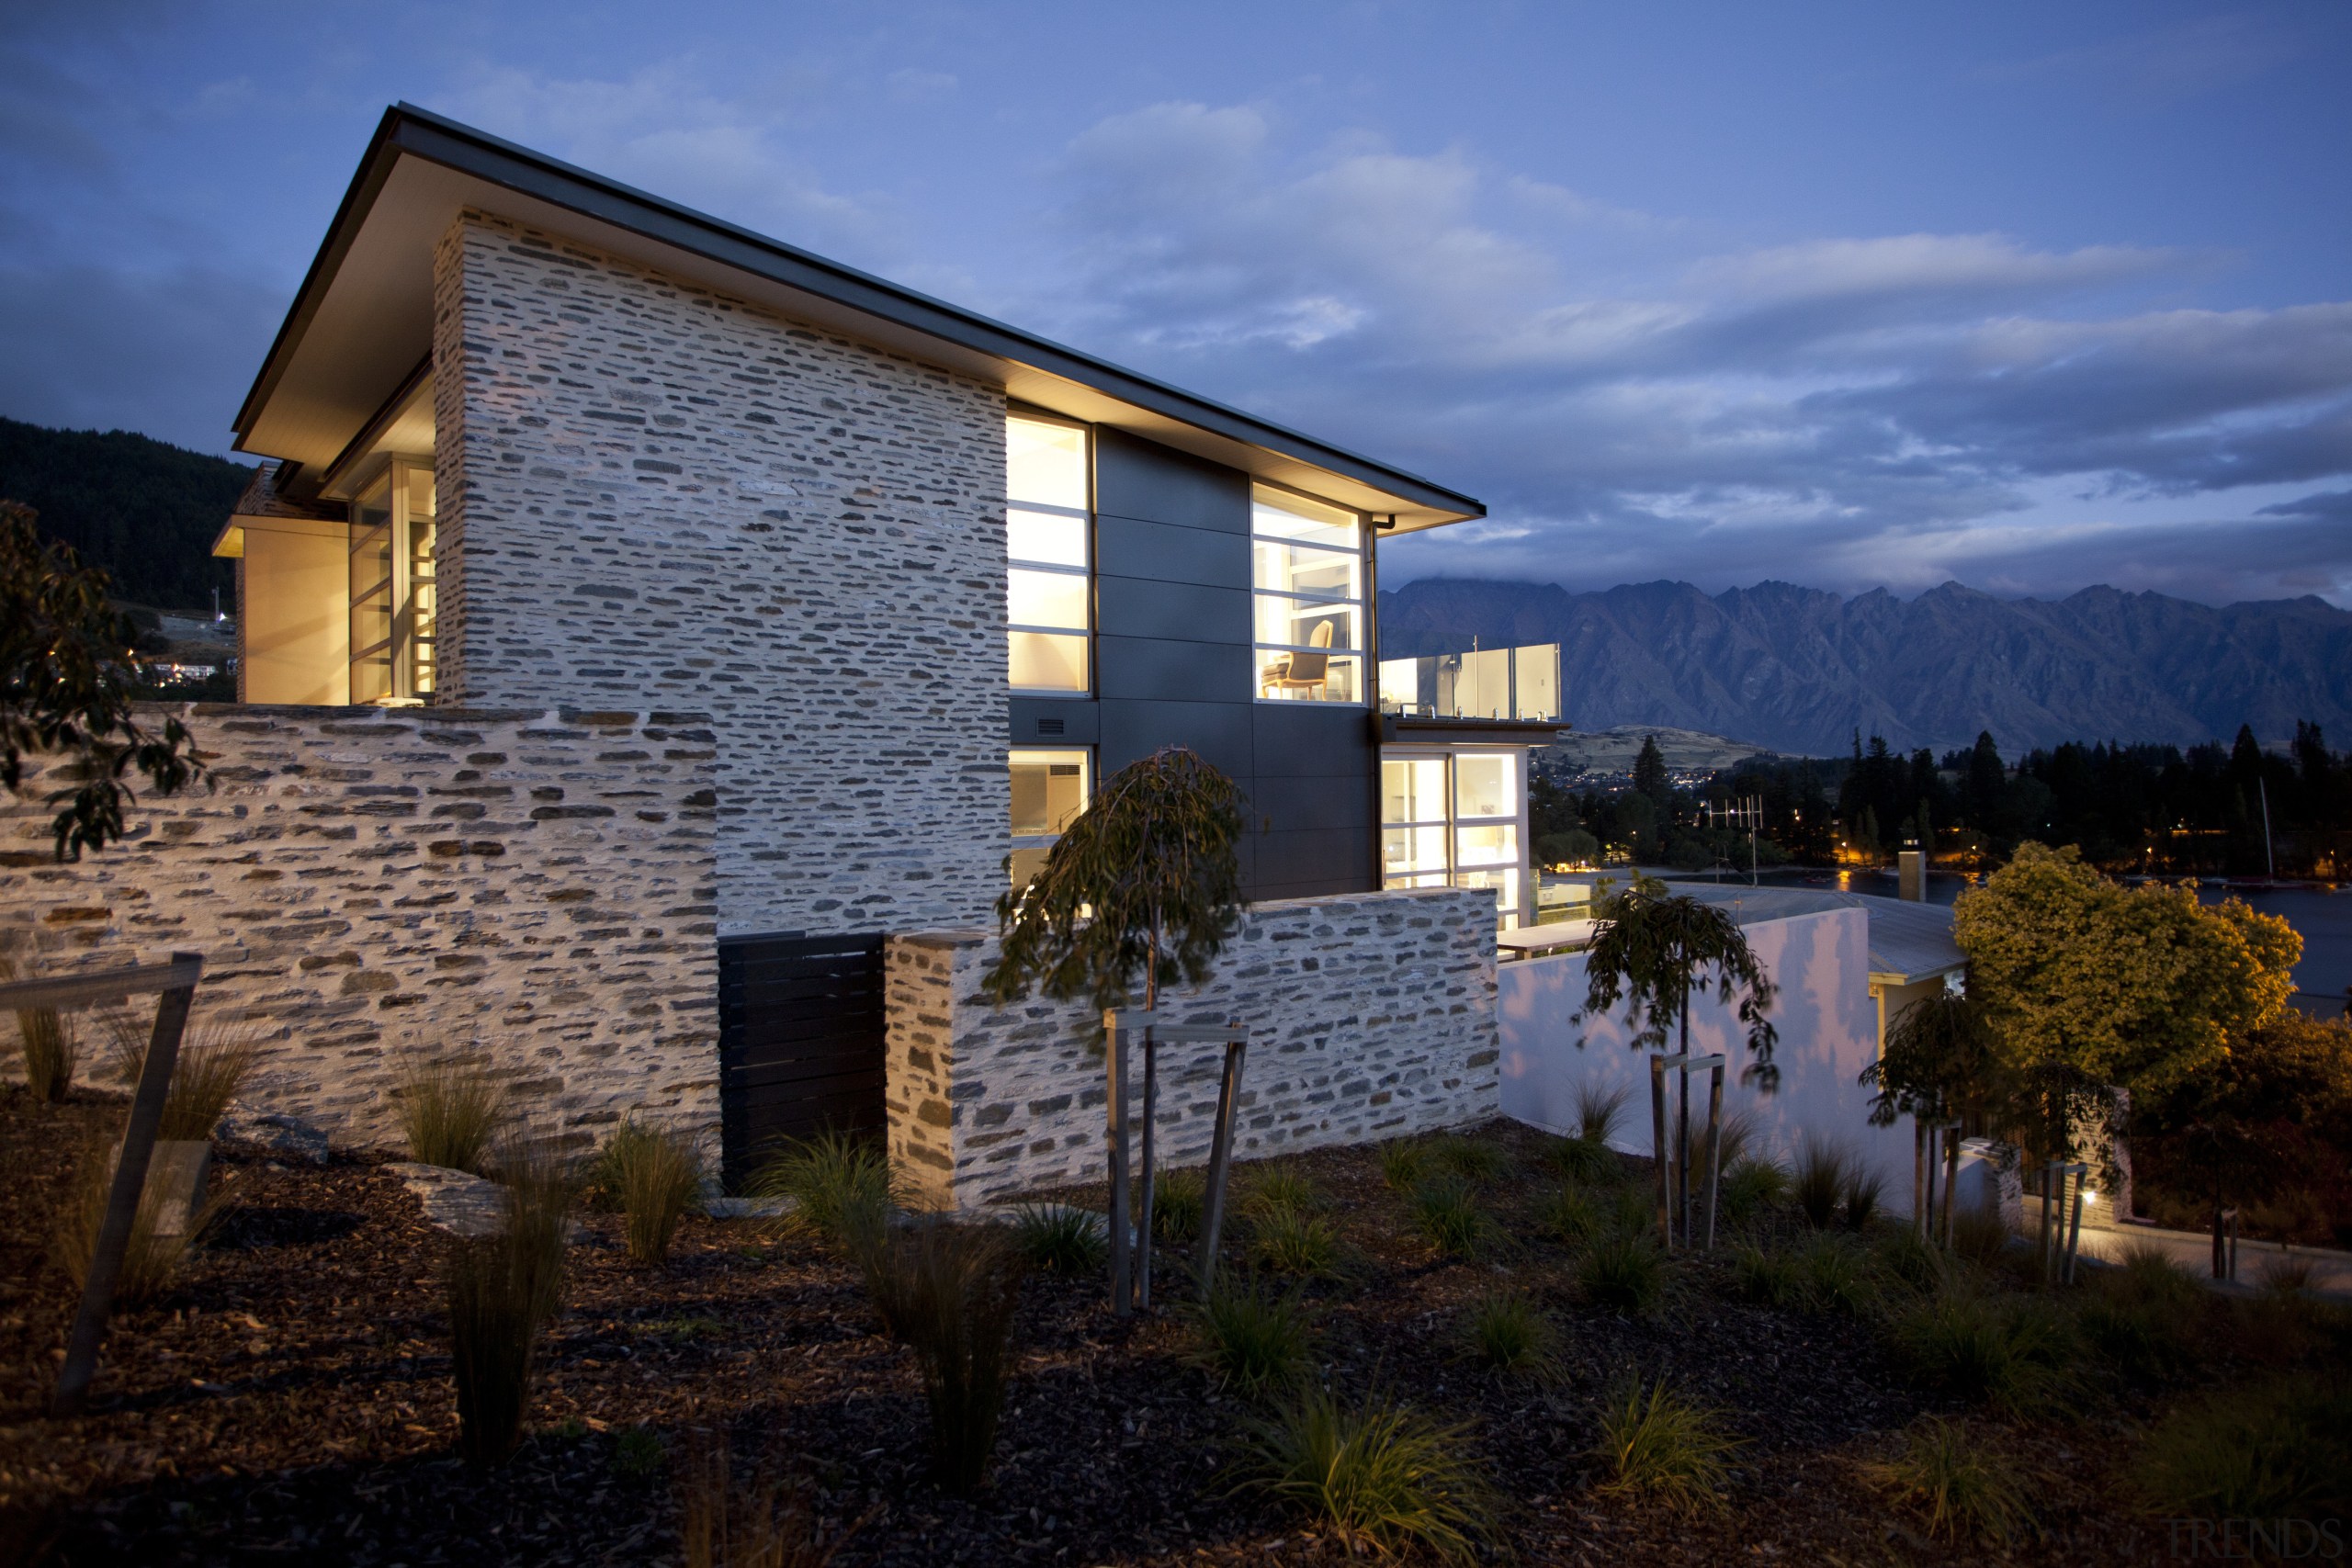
(1292, 1241)
(1656, 1445)
(216, 1056)
(1403, 1164)
(2279, 1450)
(1376, 1474)
(451, 1111)
(1979, 1235)
(1280, 1185)
(1818, 1182)
(840, 1185)
(1471, 1159)
(1860, 1193)
(49, 1043)
(1179, 1204)
(1586, 1160)
(2291, 1274)
(1060, 1238)
(1824, 1275)
(1623, 1270)
(1909, 1261)
(1567, 1214)
(1962, 1484)
(1506, 1332)
(1599, 1111)
(758, 1518)
(502, 1292)
(950, 1292)
(1250, 1337)
(638, 1454)
(2012, 1353)
(1749, 1186)
(1767, 1276)
(654, 1177)
(2139, 1318)
(151, 1260)
(1447, 1212)
(1739, 1133)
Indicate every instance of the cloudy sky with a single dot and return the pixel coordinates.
(2031, 296)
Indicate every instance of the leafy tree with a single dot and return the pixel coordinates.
(144, 510)
(1651, 778)
(67, 677)
(1145, 880)
(1939, 1064)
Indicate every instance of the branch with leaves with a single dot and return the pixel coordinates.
(1655, 952)
(1939, 1063)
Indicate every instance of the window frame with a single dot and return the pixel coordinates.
(1361, 656)
(1085, 519)
(1510, 916)
(1020, 841)
(394, 537)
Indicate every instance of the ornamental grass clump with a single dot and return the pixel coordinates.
(1586, 1160)
(1178, 1206)
(1061, 1239)
(760, 1518)
(1598, 1111)
(503, 1291)
(839, 1185)
(1834, 1278)
(1250, 1337)
(1749, 1186)
(1766, 1276)
(1961, 1483)
(1376, 1474)
(48, 1041)
(654, 1177)
(1403, 1164)
(1447, 1212)
(1859, 1194)
(215, 1058)
(1283, 1186)
(2140, 1316)
(1979, 1236)
(1567, 1215)
(949, 1292)
(1289, 1241)
(2279, 1450)
(451, 1111)
(1656, 1445)
(1506, 1332)
(151, 1258)
(2014, 1354)
(1623, 1270)
(1818, 1183)
(1471, 1159)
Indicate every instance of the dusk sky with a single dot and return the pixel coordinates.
(2030, 296)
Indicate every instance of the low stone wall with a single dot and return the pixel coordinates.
(1370, 1015)
(364, 883)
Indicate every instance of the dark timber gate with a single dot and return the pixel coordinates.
(799, 1041)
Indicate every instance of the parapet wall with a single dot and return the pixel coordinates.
(1370, 1015)
(367, 883)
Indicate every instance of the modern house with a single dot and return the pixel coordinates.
(904, 581)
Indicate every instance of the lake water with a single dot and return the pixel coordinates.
(2321, 915)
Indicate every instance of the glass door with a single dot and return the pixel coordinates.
(372, 594)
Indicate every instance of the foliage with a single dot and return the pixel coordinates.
(2014, 1354)
(144, 510)
(1146, 879)
(1599, 1111)
(1471, 1159)
(764, 1519)
(840, 1186)
(151, 1258)
(1819, 1182)
(654, 1176)
(1910, 1259)
(1179, 1204)
(2140, 1316)
(503, 1291)
(1061, 1239)
(1249, 1336)
(1293, 1241)
(949, 1291)
(68, 673)
(48, 1040)
(1447, 1212)
(1979, 1235)
(1279, 1184)
(1861, 1192)
(1938, 1063)
(1737, 1132)
(1584, 1158)
(1567, 1214)
(216, 1056)
(1654, 951)
(1376, 1474)
(1959, 1483)
(450, 1111)
(1823, 1275)
(1749, 1186)
(1507, 1332)
(2282, 1450)
(1623, 1270)
(638, 1454)
(1403, 1164)
(1656, 1444)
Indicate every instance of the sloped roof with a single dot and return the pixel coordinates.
(1909, 941)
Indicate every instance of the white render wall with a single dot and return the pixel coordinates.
(1371, 1015)
(652, 494)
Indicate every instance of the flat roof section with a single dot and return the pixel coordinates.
(363, 318)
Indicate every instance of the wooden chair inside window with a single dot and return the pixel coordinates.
(1303, 672)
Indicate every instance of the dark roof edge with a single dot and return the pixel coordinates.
(1405, 728)
(406, 128)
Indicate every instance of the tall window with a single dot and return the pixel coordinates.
(1050, 788)
(1454, 821)
(1307, 569)
(1048, 595)
(394, 609)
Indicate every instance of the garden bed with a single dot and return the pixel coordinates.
(289, 1399)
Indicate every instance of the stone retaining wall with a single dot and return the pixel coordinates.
(364, 883)
(1371, 1015)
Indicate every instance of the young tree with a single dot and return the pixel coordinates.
(1937, 1065)
(67, 674)
(1656, 951)
(1145, 880)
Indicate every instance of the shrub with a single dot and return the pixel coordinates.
(1962, 1484)
(1249, 1336)
(450, 1111)
(2277, 1451)
(1061, 1239)
(1507, 1332)
(949, 1291)
(840, 1186)
(1289, 1241)
(1818, 1182)
(1447, 1213)
(1749, 1186)
(1375, 1475)
(1861, 1192)
(1280, 1185)
(653, 1176)
(2139, 1318)
(1599, 1111)
(1654, 1444)
(503, 1291)
(1178, 1206)
(1979, 1235)
(1403, 1164)
(152, 1256)
(638, 1454)
(1567, 1214)
(764, 1519)
(1471, 1159)
(48, 1040)
(2009, 1353)
(1624, 1269)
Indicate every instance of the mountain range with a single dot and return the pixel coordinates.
(1800, 670)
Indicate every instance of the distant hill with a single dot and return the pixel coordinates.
(1798, 669)
(146, 511)
(1612, 751)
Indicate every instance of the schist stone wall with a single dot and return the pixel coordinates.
(1371, 1015)
(653, 494)
(366, 883)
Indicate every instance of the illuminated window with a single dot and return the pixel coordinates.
(1048, 594)
(394, 603)
(1307, 566)
(1050, 788)
(1453, 819)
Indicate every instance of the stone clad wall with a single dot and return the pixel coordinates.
(653, 494)
(364, 883)
(1371, 1015)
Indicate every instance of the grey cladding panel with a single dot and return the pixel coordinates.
(1154, 669)
(1341, 800)
(1219, 731)
(1312, 739)
(1129, 606)
(1139, 479)
(1162, 552)
(1332, 855)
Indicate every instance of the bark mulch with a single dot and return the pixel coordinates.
(289, 1401)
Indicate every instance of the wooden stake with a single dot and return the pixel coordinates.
(1657, 1144)
(1229, 1097)
(1144, 1203)
(1115, 1051)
